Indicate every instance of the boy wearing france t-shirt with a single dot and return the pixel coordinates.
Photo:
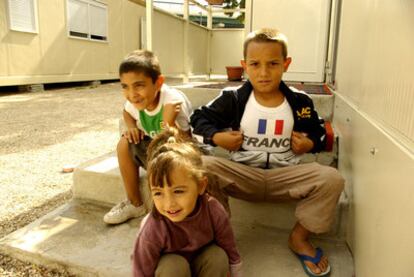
(267, 126)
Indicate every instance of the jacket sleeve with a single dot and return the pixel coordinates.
(214, 117)
(316, 130)
(223, 234)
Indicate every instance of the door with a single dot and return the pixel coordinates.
(306, 24)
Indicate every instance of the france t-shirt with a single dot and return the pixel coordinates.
(268, 129)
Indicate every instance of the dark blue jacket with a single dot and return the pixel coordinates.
(226, 111)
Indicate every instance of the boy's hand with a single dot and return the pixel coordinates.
(230, 140)
(300, 143)
(170, 112)
(133, 135)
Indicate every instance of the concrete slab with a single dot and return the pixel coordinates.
(198, 96)
(281, 216)
(99, 180)
(74, 237)
(265, 253)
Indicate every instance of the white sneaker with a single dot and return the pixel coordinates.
(122, 212)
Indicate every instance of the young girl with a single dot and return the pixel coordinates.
(188, 232)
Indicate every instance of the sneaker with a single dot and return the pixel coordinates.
(122, 212)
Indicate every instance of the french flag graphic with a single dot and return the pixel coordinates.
(263, 125)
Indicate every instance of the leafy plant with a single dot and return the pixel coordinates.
(233, 4)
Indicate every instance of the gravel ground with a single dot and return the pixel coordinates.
(40, 133)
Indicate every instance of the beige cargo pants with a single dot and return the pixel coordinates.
(316, 187)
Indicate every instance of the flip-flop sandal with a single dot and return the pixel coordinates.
(315, 260)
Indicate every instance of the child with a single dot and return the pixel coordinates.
(188, 232)
(149, 106)
(271, 125)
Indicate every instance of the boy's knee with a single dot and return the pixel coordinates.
(123, 146)
(333, 179)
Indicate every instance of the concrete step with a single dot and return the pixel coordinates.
(75, 238)
(99, 180)
(281, 216)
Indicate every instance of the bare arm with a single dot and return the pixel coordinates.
(132, 134)
(129, 120)
(170, 113)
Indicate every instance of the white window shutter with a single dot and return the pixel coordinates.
(78, 17)
(22, 15)
(87, 19)
(98, 21)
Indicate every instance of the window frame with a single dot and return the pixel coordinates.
(89, 35)
(34, 11)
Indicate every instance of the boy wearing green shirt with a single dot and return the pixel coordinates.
(150, 105)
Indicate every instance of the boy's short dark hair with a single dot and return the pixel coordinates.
(266, 35)
(141, 61)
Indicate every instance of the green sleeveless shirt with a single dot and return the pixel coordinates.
(152, 124)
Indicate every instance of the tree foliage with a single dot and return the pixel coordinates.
(233, 4)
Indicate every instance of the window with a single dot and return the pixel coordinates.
(22, 15)
(87, 19)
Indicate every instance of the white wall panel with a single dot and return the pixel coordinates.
(198, 49)
(374, 111)
(4, 57)
(52, 56)
(53, 40)
(380, 185)
(375, 65)
(168, 37)
(306, 24)
(226, 49)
